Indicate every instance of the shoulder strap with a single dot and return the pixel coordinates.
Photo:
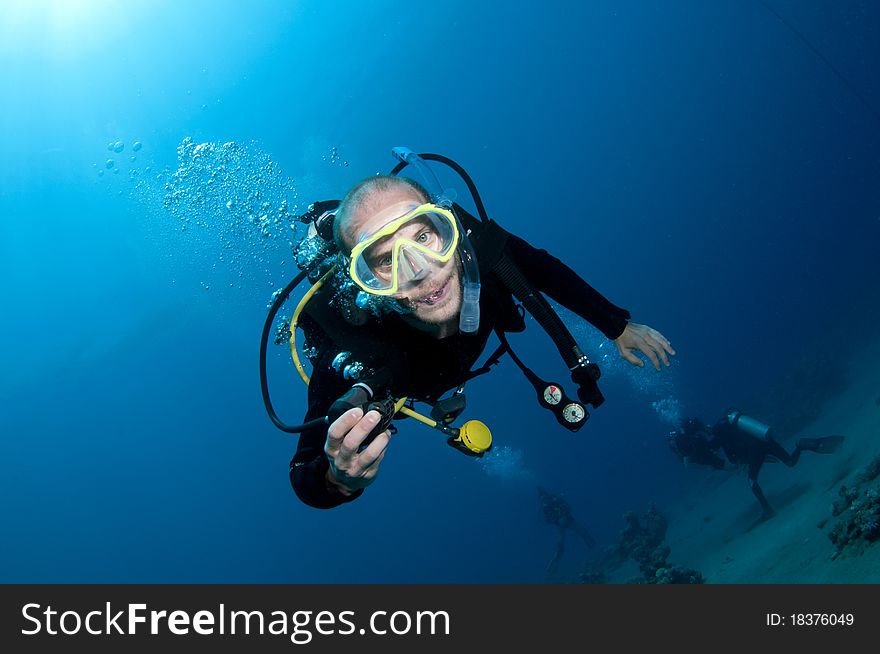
(490, 240)
(583, 372)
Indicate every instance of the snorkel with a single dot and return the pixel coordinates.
(469, 316)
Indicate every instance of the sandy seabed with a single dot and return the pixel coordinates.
(715, 529)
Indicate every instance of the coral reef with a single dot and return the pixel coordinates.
(858, 512)
(870, 473)
(643, 539)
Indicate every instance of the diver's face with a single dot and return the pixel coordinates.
(433, 299)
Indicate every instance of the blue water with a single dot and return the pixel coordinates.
(693, 161)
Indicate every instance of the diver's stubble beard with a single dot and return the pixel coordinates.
(446, 309)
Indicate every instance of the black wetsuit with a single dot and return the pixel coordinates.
(697, 448)
(744, 449)
(556, 511)
(424, 367)
(697, 443)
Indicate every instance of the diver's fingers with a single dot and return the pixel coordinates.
(627, 353)
(658, 348)
(340, 427)
(660, 338)
(374, 452)
(370, 471)
(667, 346)
(662, 343)
(373, 470)
(648, 350)
(357, 434)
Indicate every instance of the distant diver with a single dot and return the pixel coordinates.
(407, 289)
(557, 512)
(743, 441)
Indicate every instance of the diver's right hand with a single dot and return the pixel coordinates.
(351, 470)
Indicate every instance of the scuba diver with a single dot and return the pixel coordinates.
(744, 441)
(557, 512)
(408, 288)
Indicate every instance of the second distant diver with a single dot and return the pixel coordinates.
(557, 512)
(743, 441)
(420, 286)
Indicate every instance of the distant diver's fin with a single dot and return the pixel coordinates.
(822, 445)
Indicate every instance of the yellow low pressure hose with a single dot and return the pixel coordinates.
(295, 319)
(474, 434)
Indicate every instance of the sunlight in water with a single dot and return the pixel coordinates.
(63, 28)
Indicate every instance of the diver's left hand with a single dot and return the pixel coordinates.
(646, 340)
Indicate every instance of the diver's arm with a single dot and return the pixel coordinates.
(561, 283)
(721, 433)
(721, 464)
(309, 478)
(309, 467)
(353, 461)
(713, 463)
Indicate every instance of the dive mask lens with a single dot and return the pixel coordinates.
(405, 251)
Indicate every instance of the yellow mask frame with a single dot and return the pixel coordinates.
(357, 256)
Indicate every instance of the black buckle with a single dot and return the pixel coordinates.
(445, 411)
(321, 214)
(585, 375)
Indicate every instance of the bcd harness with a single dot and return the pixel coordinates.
(493, 257)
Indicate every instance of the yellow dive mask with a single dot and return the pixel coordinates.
(405, 251)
